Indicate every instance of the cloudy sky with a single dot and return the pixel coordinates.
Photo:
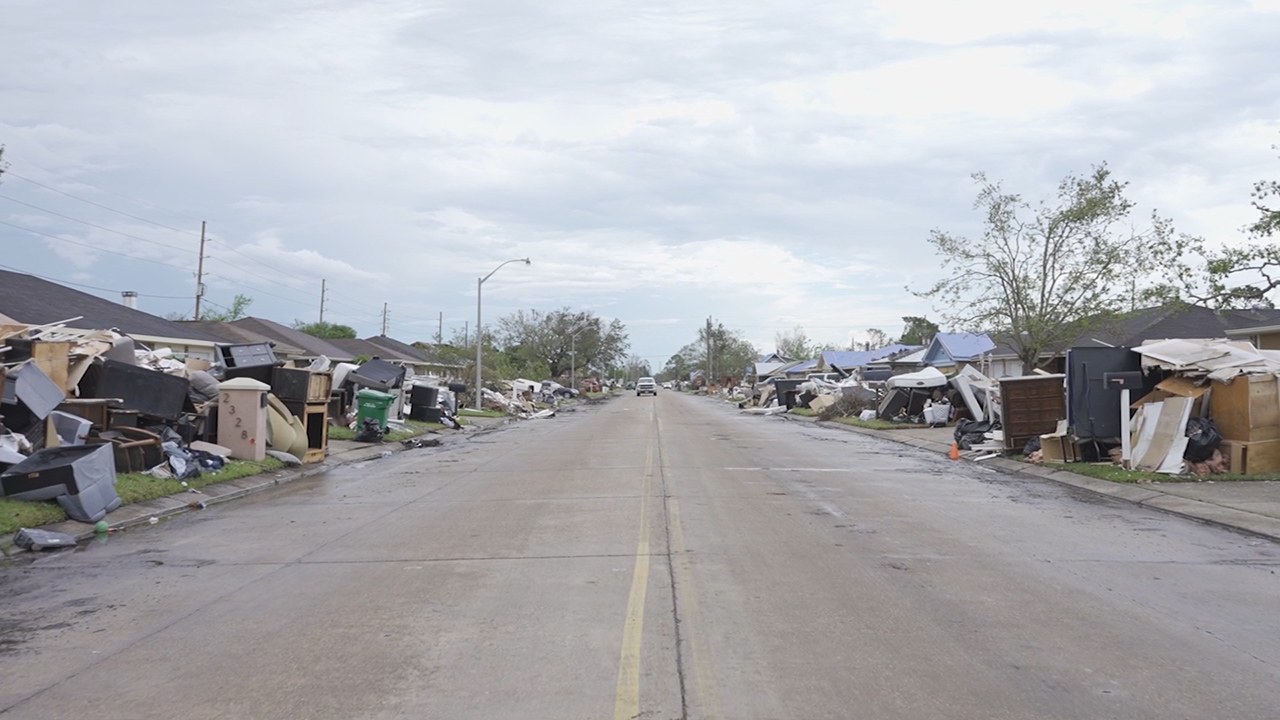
(768, 164)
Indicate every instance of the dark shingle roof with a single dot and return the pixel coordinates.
(233, 335)
(404, 349)
(31, 300)
(355, 348)
(1176, 321)
(311, 346)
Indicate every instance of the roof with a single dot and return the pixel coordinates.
(33, 301)
(1176, 320)
(774, 357)
(951, 347)
(403, 349)
(803, 367)
(909, 357)
(857, 358)
(311, 346)
(233, 335)
(356, 348)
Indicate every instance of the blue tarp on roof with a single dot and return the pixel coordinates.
(858, 358)
(947, 348)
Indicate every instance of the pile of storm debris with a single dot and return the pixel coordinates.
(528, 398)
(80, 406)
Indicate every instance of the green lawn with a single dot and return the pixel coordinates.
(414, 429)
(1115, 473)
(803, 412)
(481, 413)
(876, 424)
(132, 488)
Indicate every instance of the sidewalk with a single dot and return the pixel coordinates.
(341, 452)
(1251, 506)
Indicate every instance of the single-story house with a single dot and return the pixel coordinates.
(950, 352)
(30, 300)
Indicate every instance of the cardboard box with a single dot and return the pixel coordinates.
(1252, 458)
(1247, 409)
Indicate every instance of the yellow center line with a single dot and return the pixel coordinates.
(626, 704)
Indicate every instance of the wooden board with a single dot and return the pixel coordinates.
(1247, 409)
(1171, 425)
(52, 358)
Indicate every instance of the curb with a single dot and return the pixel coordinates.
(1145, 496)
(169, 506)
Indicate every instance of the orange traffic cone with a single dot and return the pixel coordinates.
(955, 451)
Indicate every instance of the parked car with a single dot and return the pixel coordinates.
(666, 385)
(631, 385)
(646, 385)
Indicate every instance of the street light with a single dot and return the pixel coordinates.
(573, 353)
(479, 334)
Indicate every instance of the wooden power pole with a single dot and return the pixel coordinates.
(200, 273)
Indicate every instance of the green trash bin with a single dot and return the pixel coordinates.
(373, 404)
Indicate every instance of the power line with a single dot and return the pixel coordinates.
(100, 227)
(90, 287)
(250, 257)
(259, 290)
(92, 247)
(95, 187)
(104, 207)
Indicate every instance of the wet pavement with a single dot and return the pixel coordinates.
(655, 557)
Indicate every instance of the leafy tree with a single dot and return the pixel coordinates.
(1238, 276)
(637, 367)
(238, 307)
(326, 330)
(794, 344)
(1043, 273)
(731, 355)
(550, 343)
(877, 338)
(918, 331)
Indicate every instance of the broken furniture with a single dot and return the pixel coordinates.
(424, 403)
(81, 478)
(242, 417)
(1247, 412)
(1031, 406)
(301, 385)
(151, 393)
(135, 449)
(29, 396)
(315, 420)
(249, 360)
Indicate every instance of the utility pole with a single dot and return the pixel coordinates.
(384, 319)
(440, 329)
(200, 273)
(466, 333)
(707, 379)
(322, 281)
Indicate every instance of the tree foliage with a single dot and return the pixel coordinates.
(326, 330)
(876, 338)
(918, 330)
(731, 355)
(237, 310)
(549, 343)
(1041, 274)
(1232, 276)
(794, 344)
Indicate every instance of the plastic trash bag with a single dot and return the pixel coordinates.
(972, 432)
(1203, 437)
(370, 432)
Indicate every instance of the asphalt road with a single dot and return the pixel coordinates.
(654, 557)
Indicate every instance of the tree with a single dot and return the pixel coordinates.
(3, 166)
(1233, 276)
(552, 343)
(235, 312)
(326, 330)
(1042, 274)
(794, 344)
(918, 331)
(731, 355)
(637, 367)
(877, 338)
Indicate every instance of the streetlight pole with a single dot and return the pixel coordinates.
(573, 354)
(479, 334)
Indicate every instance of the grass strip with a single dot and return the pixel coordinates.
(131, 487)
